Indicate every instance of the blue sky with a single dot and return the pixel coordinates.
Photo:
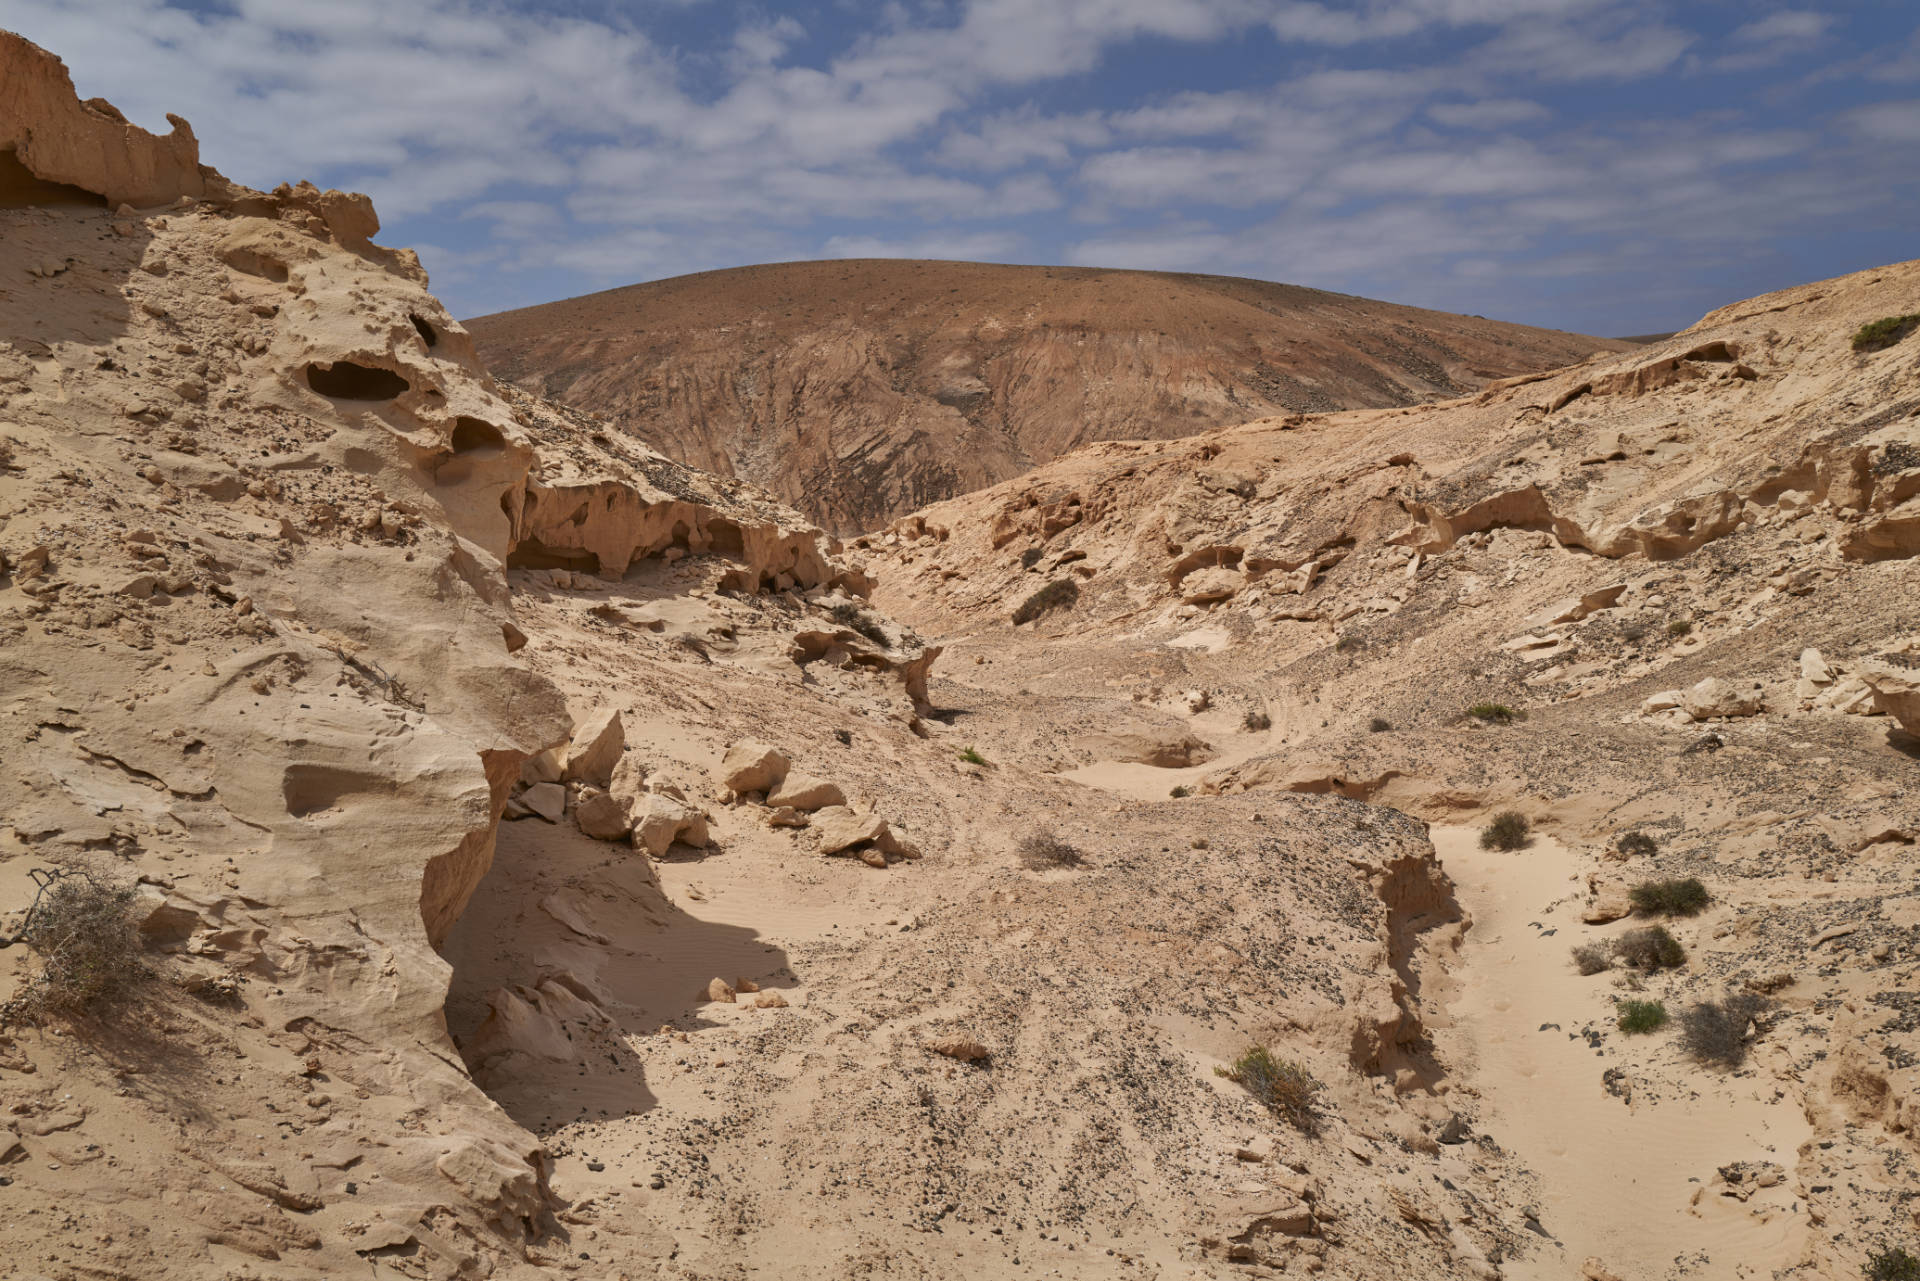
(1612, 166)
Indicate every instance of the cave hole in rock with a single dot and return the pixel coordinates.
(251, 261)
(725, 539)
(531, 553)
(427, 333)
(478, 439)
(20, 188)
(344, 380)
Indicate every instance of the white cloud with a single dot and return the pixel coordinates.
(978, 246)
(1488, 113)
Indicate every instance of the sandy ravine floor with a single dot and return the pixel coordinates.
(1626, 1180)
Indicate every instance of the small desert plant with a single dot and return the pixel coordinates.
(1379, 725)
(1891, 1264)
(1884, 332)
(851, 616)
(1031, 557)
(1284, 1087)
(1642, 1016)
(1507, 831)
(1650, 948)
(1061, 593)
(972, 757)
(1592, 958)
(89, 947)
(1179, 792)
(1669, 898)
(1494, 713)
(1679, 627)
(1631, 843)
(1257, 721)
(1347, 643)
(1716, 1031)
(1042, 850)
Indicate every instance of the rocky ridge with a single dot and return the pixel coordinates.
(860, 390)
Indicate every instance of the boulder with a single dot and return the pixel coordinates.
(786, 816)
(1665, 701)
(548, 800)
(1214, 583)
(720, 990)
(597, 745)
(964, 1050)
(542, 767)
(603, 816)
(1714, 697)
(752, 766)
(805, 792)
(840, 828)
(667, 820)
(629, 781)
(1608, 905)
(1895, 691)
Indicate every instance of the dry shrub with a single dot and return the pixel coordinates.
(1043, 850)
(1593, 958)
(1283, 1087)
(89, 947)
(851, 616)
(1669, 898)
(1507, 831)
(1061, 593)
(1892, 1264)
(1715, 1032)
(1650, 948)
(1257, 721)
(1633, 843)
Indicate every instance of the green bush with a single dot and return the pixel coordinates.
(1884, 332)
(972, 757)
(1669, 898)
(1061, 593)
(1631, 843)
(1642, 1016)
(1179, 792)
(88, 944)
(1716, 1031)
(1593, 958)
(1284, 1087)
(1650, 948)
(1379, 725)
(1508, 831)
(1679, 627)
(1257, 721)
(1494, 713)
(1347, 643)
(1892, 1264)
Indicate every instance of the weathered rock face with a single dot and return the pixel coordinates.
(257, 500)
(859, 391)
(56, 149)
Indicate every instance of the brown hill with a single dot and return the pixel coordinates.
(860, 390)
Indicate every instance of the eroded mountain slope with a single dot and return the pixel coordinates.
(860, 390)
